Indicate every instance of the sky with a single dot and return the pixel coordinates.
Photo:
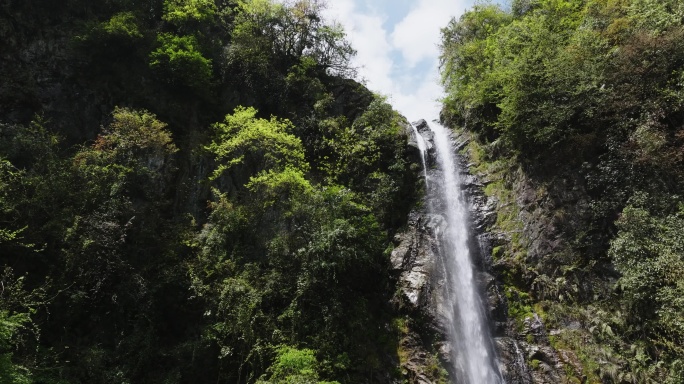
(397, 48)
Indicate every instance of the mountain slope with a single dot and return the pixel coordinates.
(193, 191)
(575, 113)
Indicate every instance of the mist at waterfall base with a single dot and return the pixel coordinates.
(472, 349)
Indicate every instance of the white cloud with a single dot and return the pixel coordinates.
(420, 103)
(417, 36)
(388, 60)
(369, 38)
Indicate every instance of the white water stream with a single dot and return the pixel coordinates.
(422, 146)
(474, 362)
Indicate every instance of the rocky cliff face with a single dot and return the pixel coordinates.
(524, 352)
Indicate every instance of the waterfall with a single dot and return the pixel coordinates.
(422, 147)
(472, 348)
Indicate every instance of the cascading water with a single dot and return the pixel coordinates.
(472, 352)
(422, 146)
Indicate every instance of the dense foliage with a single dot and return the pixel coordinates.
(589, 91)
(193, 191)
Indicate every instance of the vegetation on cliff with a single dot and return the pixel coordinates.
(193, 191)
(584, 100)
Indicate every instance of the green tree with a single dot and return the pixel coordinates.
(294, 366)
(11, 373)
(293, 31)
(117, 244)
(187, 12)
(656, 16)
(649, 253)
(9, 181)
(269, 40)
(368, 157)
(132, 156)
(17, 327)
(178, 61)
(255, 144)
(35, 186)
(122, 25)
(465, 64)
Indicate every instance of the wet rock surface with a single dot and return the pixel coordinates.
(414, 259)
